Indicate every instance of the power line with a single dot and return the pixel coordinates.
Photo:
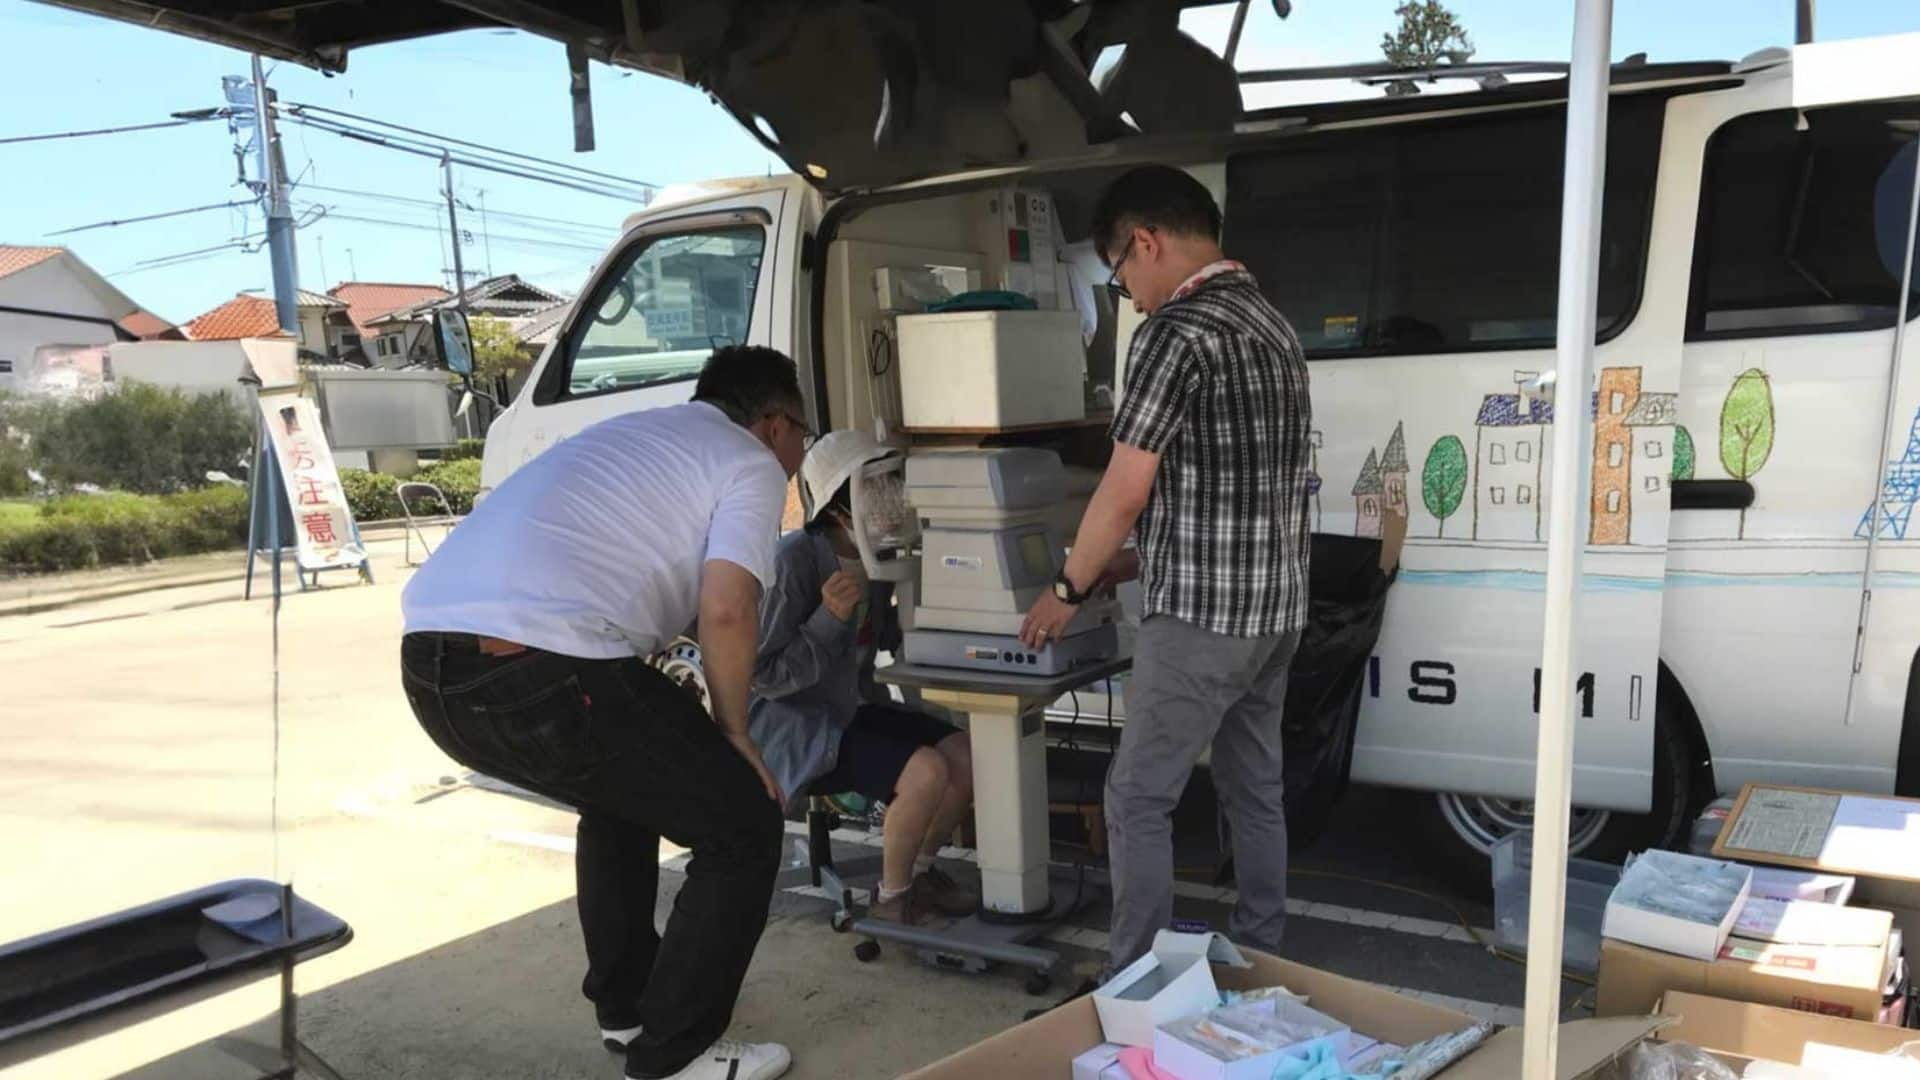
(98, 131)
(443, 154)
(149, 217)
(527, 241)
(477, 146)
(436, 206)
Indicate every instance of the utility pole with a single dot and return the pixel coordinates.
(459, 271)
(273, 174)
(453, 227)
(486, 233)
(1803, 22)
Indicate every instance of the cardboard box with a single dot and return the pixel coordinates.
(1834, 980)
(1647, 922)
(1745, 1032)
(1873, 837)
(1172, 981)
(1798, 922)
(1044, 1048)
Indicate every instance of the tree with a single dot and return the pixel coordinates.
(138, 438)
(496, 351)
(1746, 429)
(1443, 480)
(1428, 34)
(1682, 453)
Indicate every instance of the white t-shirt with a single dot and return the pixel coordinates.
(594, 548)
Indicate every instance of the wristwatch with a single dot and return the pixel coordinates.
(1064, 591)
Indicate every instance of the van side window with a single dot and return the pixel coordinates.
(1437, 235)
(1803, 224)
(669, 302)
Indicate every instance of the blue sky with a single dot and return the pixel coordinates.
(66, 71)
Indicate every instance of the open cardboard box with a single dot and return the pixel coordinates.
(1838, 980)
(1044, 1048)
(1738, 1032)
(1875, 838)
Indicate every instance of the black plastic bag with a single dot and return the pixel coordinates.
(1347, 601)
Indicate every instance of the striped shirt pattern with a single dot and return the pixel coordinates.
(1216, 384)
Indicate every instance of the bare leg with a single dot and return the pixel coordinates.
(957, 800)
(916, 797)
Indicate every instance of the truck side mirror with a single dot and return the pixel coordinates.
(453, 340)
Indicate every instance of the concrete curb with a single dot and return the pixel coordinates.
(117, 592)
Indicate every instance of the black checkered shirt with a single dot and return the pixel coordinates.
(1217, 386)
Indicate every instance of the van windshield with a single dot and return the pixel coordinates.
(671, 302)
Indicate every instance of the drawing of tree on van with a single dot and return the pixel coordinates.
(1682, 453)
(1746, 429)
(1443, 480)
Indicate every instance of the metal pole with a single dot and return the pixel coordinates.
(1567, 525)
(459, 271)
(286, 275)
(1887, 432)
(1233, 34)
(1803, 22)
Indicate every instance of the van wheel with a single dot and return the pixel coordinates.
(1460, 830)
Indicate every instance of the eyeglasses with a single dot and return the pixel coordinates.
(1114, 284)
(807, 436)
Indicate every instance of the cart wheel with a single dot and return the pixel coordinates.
(1038, 982)
(840, 922)
(867, 952)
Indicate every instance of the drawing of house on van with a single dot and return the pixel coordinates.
(1367, 493)
(1651, 424)
(1393, 471)
(1509, 463)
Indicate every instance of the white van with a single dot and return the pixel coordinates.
(1750, 610)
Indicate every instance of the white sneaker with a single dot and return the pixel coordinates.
(616, 1039)
(730, 1060)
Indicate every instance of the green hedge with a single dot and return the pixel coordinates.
(76, 532)
(464, 449)
(374, 496)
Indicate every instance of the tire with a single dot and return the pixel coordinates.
(1459, 831)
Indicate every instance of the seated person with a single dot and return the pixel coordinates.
(821, 721)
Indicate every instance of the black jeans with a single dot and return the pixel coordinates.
(640, 760)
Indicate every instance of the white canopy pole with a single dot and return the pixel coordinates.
(1567, 517)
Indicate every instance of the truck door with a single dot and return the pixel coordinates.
(674, 289)
(1418, 261)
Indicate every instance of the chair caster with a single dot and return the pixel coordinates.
(867, 952)
(1038, 983)
(841, 922)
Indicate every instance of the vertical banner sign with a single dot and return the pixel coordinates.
(322, 524)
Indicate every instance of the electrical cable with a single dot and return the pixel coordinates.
(148, 217)
(436, 206)
(444, 155)
(100, 131)
(523, 241)
(294, 105)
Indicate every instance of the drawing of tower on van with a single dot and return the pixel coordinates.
(1612, 497)
(1367, 493)
(1893, 510)
(1509, 463)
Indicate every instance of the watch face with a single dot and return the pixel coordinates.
(1061, 592)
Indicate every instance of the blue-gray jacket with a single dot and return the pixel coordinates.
(811, 674)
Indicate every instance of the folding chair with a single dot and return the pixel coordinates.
(416, 525)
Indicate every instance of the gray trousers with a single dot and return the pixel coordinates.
(1191, 688)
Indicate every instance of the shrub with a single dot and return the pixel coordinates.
(370, 495)
(459, 481)
(80, 531)
(464, 449)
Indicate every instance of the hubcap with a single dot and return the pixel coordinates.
(1483, 821)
